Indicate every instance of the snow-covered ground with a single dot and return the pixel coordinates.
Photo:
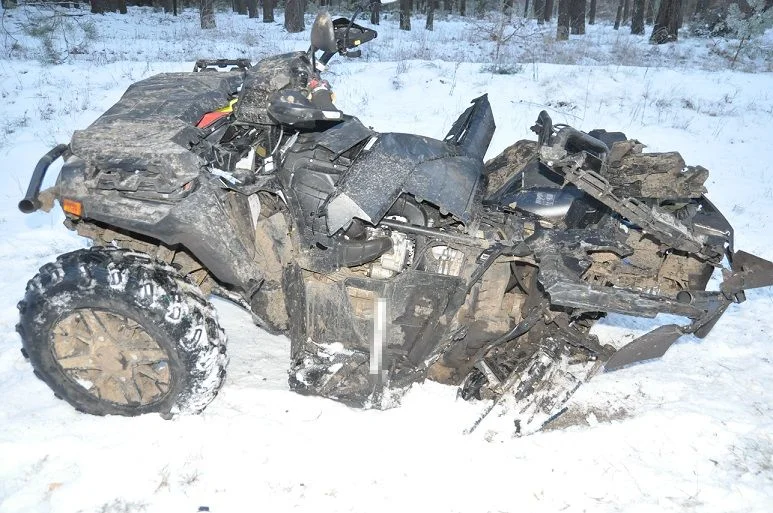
(691, 432)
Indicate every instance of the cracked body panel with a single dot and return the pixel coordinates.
(492, 274)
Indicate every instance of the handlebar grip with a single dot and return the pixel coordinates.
(582, 141)
(323, 98)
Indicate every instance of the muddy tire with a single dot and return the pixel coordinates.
(115, 332)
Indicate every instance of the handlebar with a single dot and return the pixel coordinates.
(322, 97)
(581, 141)
(567, 136)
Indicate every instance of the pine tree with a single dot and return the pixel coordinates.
(619, 16)
(405, 14)
(539, 11)
(562, 27)
(577, 16)
(294, 16)
(252, 8)
(666, 26)
(268, 11)
(637, 17)
(207, 14)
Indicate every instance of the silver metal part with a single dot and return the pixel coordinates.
(340, 212)
(401, 254)
(396, 260)
(248, 162)
(254, 202)
(288, 144)
(450, 261)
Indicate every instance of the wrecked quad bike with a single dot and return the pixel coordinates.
(387, 258)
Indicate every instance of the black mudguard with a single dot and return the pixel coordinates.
(199, 220)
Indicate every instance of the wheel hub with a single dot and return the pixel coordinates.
(112, 357)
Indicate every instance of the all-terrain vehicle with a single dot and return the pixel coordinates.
(386, 258)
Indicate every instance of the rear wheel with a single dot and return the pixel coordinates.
(116, 332)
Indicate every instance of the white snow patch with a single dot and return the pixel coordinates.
(330, 351)
(690, 432)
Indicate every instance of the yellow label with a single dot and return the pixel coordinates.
(229, 107)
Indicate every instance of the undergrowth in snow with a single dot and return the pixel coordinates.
(58, 35)
(690, 432)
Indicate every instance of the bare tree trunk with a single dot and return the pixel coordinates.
(103, 6)
(619, 16)
(592, 13)
(548, 10)
(405, 15)
(448, 6)
(507, 8)
(268, 11)
(626, 11)
(637, 17)
(252, 8)
(666, 28)
(539, 11)
(680, 14)
(562, 29)
(701, 6)
(207, 14)
(240, 6)
(430, 25)
(480, 9)
(650, 12)
(462, 7)
(577, 16)
(375, 12)
(294, 16)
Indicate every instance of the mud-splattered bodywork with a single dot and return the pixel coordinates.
(389, 258)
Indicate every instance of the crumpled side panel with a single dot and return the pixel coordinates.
(404, 163)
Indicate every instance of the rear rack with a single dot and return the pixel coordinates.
(215, 64)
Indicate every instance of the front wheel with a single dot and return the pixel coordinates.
(115, 332)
